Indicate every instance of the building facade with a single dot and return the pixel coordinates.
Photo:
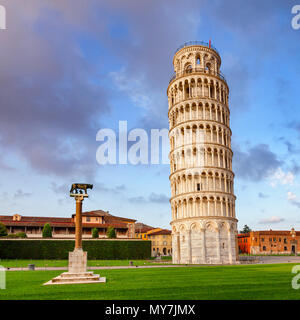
(161, 239)
(270, 242)
(204, 226)
(161, 242)
(65, 227)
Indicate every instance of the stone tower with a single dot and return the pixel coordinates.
(204, 226)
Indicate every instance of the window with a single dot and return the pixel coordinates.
(270, 239)
(284, 240)
(285, 248)
(262, 239)
(198, 187)
(279, 239)
(88, 219)
(264, 248)
(274, 239)
(198, 60)
(188, 69)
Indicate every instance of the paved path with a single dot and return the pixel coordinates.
(259, 260)
(279, 259)
(96, 268)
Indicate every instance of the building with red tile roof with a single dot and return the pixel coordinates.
(65, 227)
(270, 242)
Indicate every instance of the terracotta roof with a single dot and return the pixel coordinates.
(30, 221)
(37, 219)
(101, 213)
(63, 225)
(94, 213)
(142, 228)
(161, 232)
(274, 232)
(243, 235)
(111, 217)
(269, 233)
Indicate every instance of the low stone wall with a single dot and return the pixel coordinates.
(249, 259)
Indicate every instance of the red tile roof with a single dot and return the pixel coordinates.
(142, 228)
(161, 232)
(112, 221)
(101, 213)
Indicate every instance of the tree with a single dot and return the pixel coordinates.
(95, 233)
(246, 229)
(47, 231)
(111, 233)
(3, 230)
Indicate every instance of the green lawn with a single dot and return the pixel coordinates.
(64, 263)
(209, 282)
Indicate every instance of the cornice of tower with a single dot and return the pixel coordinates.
(200, 100)
(203, 218)
(203, 193)
(202, 168)
(196, 47)
(185, 75)
(201, 122)
(213, 145)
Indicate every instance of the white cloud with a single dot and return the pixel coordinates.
(271, 220)
(293, 199)
(281, 177)
(132, 87)
(291, 196)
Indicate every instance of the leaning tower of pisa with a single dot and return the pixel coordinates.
(204, 225)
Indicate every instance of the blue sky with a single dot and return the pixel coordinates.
(69, 69)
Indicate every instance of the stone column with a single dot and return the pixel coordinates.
(229, 247)
(203, 245)
(78, 223)
(189, 247)
(78, 258)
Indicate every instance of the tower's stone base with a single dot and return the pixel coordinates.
(77, 271)
(204, 241)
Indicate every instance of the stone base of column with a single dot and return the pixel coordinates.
(77, 271)
(77, 261)
(76, 278)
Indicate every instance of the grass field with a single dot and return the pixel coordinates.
(64, 263)
(209, 282)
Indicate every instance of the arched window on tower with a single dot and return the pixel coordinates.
(188, 69)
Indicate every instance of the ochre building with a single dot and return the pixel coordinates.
(270, 242)
(204, 225)
(65, 227)
(161, 239)
(161, 242)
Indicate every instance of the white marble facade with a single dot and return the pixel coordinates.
(204, 225)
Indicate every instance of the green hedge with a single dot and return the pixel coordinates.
(59, 249)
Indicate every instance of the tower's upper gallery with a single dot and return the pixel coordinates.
(196, 56)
